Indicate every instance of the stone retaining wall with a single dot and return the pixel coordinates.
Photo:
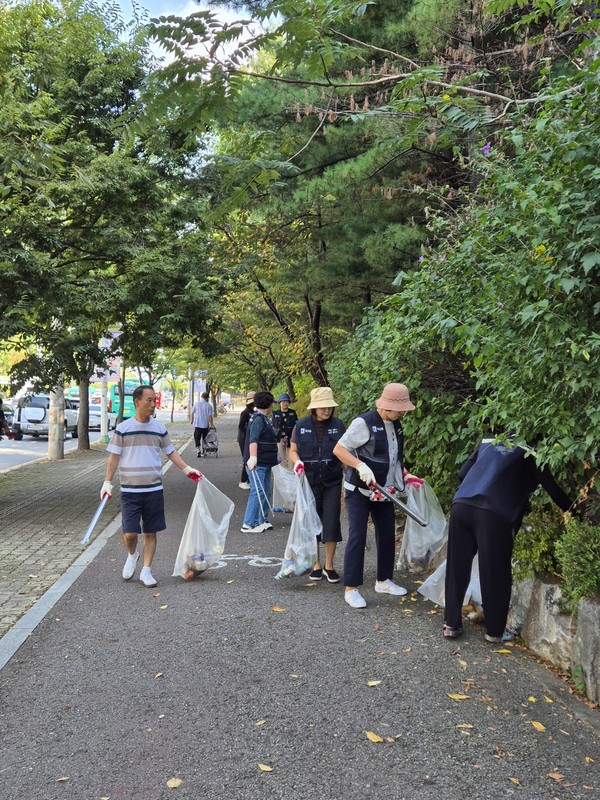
(566, 641)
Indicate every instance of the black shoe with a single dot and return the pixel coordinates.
(316, 575)
(331, 575)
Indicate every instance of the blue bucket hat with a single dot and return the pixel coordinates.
(284, 397)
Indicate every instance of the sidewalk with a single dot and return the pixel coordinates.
(236, 686)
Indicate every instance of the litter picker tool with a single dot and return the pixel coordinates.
(96, 517)
(412, 514)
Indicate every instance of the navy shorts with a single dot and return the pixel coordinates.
(147, 506)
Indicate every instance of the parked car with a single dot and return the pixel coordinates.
(32, 417)
(96, 417)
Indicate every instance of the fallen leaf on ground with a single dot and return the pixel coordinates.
(230, 581)
(293, 675)
(156, 594)
(463, 663)
(174, 783)
(465, 725)
(532, 699)
(390, 739)
(407, 650)
(265, 768)
(377, 626)
(260, 722)
(277, 608)
(503, 650)
(63, 779)
(166, 605)
(310, 584)
(589, 760)
(158, 675)
(458, 696)
(373, 737)
(515, 780)
(373, 683)
(556, 776)
(538, 726)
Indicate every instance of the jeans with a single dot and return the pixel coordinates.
(257, 508)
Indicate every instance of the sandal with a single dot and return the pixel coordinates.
(507, 636)
(452, 633)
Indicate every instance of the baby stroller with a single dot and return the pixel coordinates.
(211, 443)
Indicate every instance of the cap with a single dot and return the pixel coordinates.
(322, 397)
(395, 397)
(250, 397)
(285, 397)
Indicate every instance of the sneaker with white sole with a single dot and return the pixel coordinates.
(355, 599)
(244, 485)
(146, 578)
(266, 526)
(389, 587)
(130, 565)
(251, 529)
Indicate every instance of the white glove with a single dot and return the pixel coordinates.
(107, 489)
(192, 473)
(252, 462)
(365, 474)
(299, 468)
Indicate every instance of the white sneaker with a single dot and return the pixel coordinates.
(355, 599)
(244, 485)
(130, 565)
(250, 529)
(266, 526)
(389, 587)
(146, 578)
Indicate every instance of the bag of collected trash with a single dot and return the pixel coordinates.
(421, 544)
(301, 549)
(203, 539)
(285, 484)
(434, 587)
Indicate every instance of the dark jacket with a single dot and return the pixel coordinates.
(322, 468)
(284, 422)
(243, 423)
(501, 479)
(375, 453)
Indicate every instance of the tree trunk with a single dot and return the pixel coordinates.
(56, 431)
(83, 431)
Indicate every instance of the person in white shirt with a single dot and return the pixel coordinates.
(135, 448)
(202, 420)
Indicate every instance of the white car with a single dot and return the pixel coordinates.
(32, 417)
(96, 417)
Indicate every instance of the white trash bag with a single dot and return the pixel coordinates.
(434, 587)
(421, 544)
(203, 539)
(285, 484)
(301, 549)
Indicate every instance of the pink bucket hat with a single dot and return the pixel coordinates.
(395, 397)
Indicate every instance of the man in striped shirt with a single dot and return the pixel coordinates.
(135, 448)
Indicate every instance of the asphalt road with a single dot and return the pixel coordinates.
(122, 689)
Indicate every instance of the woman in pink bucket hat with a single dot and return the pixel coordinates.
(372, 450)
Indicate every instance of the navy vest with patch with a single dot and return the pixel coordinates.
(375, 453)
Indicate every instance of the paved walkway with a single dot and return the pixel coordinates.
(236, 686)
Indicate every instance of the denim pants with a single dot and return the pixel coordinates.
(257, 508)
(359, 509)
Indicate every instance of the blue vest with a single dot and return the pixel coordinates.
(322, 468)
(375, 453)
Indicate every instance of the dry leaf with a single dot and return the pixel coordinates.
(377, 626)
(174, 783)
(156, 594)
(407, 650)
(538, 726)
(228, 582)
(503, 650)
(265, 768)
(515, 780)
(63, 779)
(458, 696)
(166, 605)
(465, 725)
(390, 739)
(158, 675)
(373, 683)
(277, 608)
(293, 675)
(463, 663)
(310, 584)
(532, 699)
(556, 776)
(589, 760)
(548, 700)
(373, 737)
(260, 722)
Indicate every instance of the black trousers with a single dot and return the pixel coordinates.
(199, 436)
(244, 475)
(359, 509)
(476, 530)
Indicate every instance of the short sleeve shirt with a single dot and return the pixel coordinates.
(358, 434)
(141, 446)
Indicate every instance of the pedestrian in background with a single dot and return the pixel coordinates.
(372, 449)
(135, 448)
(241, 437)
(284, 420)
(311, 453)
(497, 481)
(202, 420)
(3, 423)
(262, 455)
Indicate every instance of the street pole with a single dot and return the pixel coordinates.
(56, 431)
(104, 411)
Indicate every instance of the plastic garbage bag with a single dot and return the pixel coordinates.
(203, 539)
(285, 484)
(434, 587)
(421, 544)
(301, 549)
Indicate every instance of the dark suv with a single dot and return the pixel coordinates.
(32, 417)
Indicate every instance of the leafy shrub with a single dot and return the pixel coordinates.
(578, 556)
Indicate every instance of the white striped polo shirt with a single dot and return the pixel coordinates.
(140, 445)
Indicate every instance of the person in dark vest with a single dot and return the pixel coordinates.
(284, 419)
(311, 452)
(497, 481)
(261, 456)
(241, 437)
(372, 450)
